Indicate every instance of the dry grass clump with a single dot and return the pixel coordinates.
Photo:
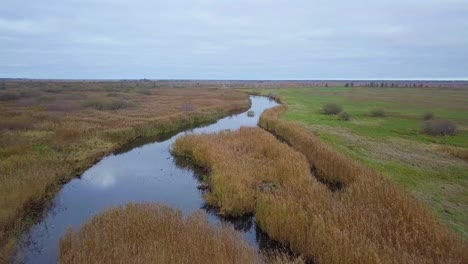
(44, 143)
(148, 233)
(243, 164)
(460, 153)
(370, 220)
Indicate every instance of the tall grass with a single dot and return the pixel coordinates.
(148, 233)
(242, 163)
(370, 220)
(153, 233)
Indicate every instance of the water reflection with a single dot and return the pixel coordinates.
(139, 172)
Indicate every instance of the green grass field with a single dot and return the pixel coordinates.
(425, 165)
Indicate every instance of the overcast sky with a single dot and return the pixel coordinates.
(234, 39)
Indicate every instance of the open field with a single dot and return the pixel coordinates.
(51, 131)
(151, 233)
(369, 220)
(433, 168)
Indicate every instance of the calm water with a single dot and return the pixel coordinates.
(147, 173)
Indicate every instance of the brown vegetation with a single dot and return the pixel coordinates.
(370, 220)
(151, 233)
(242, 165)
(48, 138)
(146, 233)
(460, 153)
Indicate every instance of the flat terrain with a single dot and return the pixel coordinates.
(433, 168)
(52, 131)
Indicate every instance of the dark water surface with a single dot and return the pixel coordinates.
(145, 173)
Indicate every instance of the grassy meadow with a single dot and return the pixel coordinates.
(52, 131)
(433, 168)
(369, 220)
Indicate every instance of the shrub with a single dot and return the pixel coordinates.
(331, 109)
(53, 90)
(62, 106)
(428, 116)
(21, 122)
(378, 113)
(113, 94)
(345, 116)
(439, 127)
(273, 96)
(75, 96)
(187, 107)
(46, 98)
(144, 91)
(104, 105)
(9, 96)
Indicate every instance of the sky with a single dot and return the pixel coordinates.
(234, 39)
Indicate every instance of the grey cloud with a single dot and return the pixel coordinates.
(275, 39)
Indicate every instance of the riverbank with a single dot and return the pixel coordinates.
(50, 134)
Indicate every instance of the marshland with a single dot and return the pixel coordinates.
(234, 132)
(259, 175)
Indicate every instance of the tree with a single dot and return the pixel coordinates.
(346, 85)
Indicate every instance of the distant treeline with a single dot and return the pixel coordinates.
(148, 83)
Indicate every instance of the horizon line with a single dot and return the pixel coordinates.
(241, 80)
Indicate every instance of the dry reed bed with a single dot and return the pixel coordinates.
(242, 165)
(151, 233)
(42, 147)
(370, 221)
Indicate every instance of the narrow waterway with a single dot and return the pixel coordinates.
(145, 173)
